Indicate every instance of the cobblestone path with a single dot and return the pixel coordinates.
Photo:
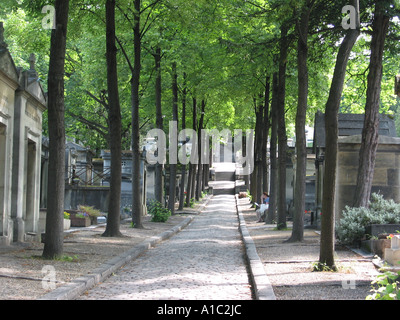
(204, 261)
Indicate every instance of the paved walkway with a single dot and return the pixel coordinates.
(204, 261)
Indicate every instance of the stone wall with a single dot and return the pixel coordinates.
(97, 197)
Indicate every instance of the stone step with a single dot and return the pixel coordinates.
(222, 187)
(225, 176)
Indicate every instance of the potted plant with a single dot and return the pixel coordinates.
(80, 219)
(89, 211)
(67, 221)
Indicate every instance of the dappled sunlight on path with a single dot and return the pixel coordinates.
(204, 261)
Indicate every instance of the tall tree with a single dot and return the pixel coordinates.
(257, 174)
(192, 166)
(137, 210)
(158, 185)
(53, 246)
(273, 150)
(199, 184)
(282, 137)
(370, 133)
(114, 115)
(327, 250)
(301, 145)
(183, 172)
(173, 141)
(266, 126)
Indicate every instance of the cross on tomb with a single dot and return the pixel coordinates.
(1, 32)
(2, 43)
(32, 61)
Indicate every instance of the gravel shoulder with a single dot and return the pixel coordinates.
(289, 265)
(22, 270)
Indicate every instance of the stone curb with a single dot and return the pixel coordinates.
(262, 287)
(79, 285)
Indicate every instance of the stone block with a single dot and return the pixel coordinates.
(377, 229)
(392, 254)
(376, 246)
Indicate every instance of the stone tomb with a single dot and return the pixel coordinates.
(392, 255)
(30, 103)
(22, 103)
(8, 86)
(386, 179)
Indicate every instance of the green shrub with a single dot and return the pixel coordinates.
(89, 210)
(388, 287)
(158, 212)
(351, 227)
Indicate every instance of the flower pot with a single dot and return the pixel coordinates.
(80, 222)
(67, 224)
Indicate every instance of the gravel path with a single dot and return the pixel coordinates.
(215, 258)
(288, 266)
(204, 261)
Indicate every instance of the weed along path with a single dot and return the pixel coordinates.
(205, 261)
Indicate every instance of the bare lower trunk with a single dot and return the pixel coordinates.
(199, 184)
(137, 210)
(274, 170)
(114, 116)
(53, 247)
(192, 167)
(183, 172)
(282, 137)
(173, 166)
(158, 185)
(265, 133)
(326, 257)
(301, 146)
(370, 134)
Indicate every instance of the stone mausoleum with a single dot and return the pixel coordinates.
(386, 180)
(22, 103)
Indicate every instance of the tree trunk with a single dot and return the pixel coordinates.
(192, 167)
(370, 134)
(282, 137)
(301, 144)
(114, 116)
(137, 211)
(265, 135)
(158, 185)
(183, 173)
(259, 136)
(274, 168)
(53, 247)
(326, 257)
(172, 166)
(199, 185)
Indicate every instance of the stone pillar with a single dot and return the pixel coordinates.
(30, 103)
